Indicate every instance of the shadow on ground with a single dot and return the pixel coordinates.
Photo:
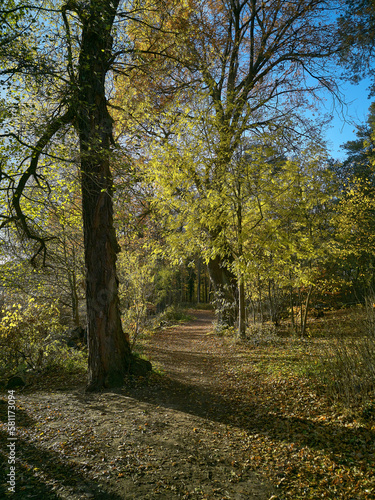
(249, 416)
(40, 474)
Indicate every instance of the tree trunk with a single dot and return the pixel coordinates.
(260, 300)
(224, 285)
(108, 346)
(241, 311)
(274, 303)
(292, 309)
(198, 280)
(304, 318)
(74, 297)
(253, 310)
(271, 302)
(72, 281)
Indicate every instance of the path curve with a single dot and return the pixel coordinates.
(189, 352)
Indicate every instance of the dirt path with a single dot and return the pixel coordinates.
(211, 426)
(167, 438)
(188, 353)
(194, 363)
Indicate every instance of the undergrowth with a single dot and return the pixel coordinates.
(33, 345)
(173, 314)
(345, 371)
(338, 357)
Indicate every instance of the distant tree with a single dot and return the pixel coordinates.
(356, 209)
(360, 153)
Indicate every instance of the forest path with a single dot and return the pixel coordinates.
(189, 353)
(208, 423)
(199, 383)
(199, 369)
(170, 436)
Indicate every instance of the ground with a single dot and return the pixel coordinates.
(206, 425)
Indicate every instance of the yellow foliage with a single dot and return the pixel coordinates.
(25, 330)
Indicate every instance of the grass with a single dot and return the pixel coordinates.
(337, 358)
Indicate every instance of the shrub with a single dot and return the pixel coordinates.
(261, 334)
(29, 336)
(173, 314)
(347, 369)
(136, 289)
(346, 366)
(223, 330)
(134, 321)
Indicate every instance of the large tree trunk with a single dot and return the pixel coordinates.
(109, 347)
(224, 283)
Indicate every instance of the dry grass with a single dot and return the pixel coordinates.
(338, 356)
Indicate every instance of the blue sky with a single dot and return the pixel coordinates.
(342, 128)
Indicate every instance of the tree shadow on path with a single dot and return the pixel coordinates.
(193, 383)
(40, 473)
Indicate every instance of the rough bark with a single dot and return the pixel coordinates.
(224, 284)
(109, 347)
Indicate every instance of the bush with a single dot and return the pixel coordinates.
(173, 314)
(347, 369)
(136, 273)
(261, 334)
(30, 339)
(223, 330)
(134, 321)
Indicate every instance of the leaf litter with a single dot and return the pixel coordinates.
(212, 426)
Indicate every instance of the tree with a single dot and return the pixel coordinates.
(56, 214)
(359, 162)
(355, 209)
(357, 32)
(77, 96)
(355, 227)
(253, 64)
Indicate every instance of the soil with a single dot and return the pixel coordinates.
(170, 436)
